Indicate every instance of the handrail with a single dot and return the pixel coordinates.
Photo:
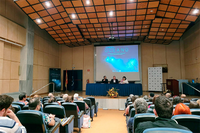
(44, 87)
(192, 87)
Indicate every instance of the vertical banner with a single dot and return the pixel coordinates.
(66, 79)
(55, 76)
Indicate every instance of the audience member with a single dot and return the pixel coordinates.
(163, 109)
(130, 96)
(114, 80)
(151, 99)
(185, 100)
(22, 98)
(49, 119)
(168, 95)
(176, 100)
(183, 96)
(11, 124)
(140, 106)
(36, 96)
(76, 97)
(81, 99)
(50, 95)
(127, 109)
(71, 100)
(151, 95)
(193, 105)
(181, 108)
(52, 99)
(65, 96)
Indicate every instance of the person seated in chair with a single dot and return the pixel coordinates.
(70, 99)
(181, 109)
(50, 95)
(22, 98)
(124, 80)
(9, 124)
(53, 100)
(104, 80)
(176, 100)
(163, 109)
(193, 105)
(49, 119)
(140, 106)
(133, 98)
(168, 95)
(114, 80)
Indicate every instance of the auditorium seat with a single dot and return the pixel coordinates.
(165, 130)
(131, 114)
(27, 99)
(192, 122)
(26, 107)
(96, 104)
(152, 106)
(81, 105)
(16, 108)
(142, 118)
(34, 122)
(130, 107)
(129, 103)
(71, 109)
(89, 103)
(195, 111)
(21, 104)
(150, 110)
(59, 99)
(59, 111)
(54, 103)
(187, 104)
(149, 103)
(194, 99)
(171, 99)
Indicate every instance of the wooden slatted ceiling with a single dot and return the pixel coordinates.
(82, 22)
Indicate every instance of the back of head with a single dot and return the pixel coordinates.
(131, 95)
(36, 96)
(151, 94)
(163, 107)
(22, 95)
(168, 95)
(69, 99)
(33, 103)
(76, 96)
(176, 100)
(183, 96)
(133, 98)
(50, 95)
(185, 100)
(151, 99)
(181, 109)
(193, 105)
(52, 99)
(5, 101)
(145, 97)
(140, 105)
(198, 101)
(65, 96)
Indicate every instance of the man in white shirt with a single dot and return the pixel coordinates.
(12, 124)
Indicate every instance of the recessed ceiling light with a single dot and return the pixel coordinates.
(87, 2)
(131, 0)
(98, 29)
(73, 16)
(111, 13)
(145, 26)
(195, 11)
(47, 4)
(38, 20)
(83, 29)
(162, 29)
(151, 10)
(69, 33)
(129, 27)
(113, 28)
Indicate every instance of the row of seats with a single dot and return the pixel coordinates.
(66, 110)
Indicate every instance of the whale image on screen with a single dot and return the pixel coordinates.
(117, 60)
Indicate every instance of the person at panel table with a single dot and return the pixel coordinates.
(104, 80)
(114, 80)
(124, 80)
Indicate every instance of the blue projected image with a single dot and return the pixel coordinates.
(120, 65)
(121, 58)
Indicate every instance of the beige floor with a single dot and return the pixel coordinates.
(107, 121)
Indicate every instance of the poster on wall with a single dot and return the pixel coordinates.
(55, 77)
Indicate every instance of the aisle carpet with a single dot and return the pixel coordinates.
(107, 121)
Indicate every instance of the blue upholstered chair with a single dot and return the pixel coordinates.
(21, 104)
(16, 108)
(89, 103)
(81, 106)
(165, 130)
(195, 111)
(71, 109)
(53, 103)
(192, 122)
(59, 112)
(194, 99)
(34, 122)
(96, 104)
(142, 118)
